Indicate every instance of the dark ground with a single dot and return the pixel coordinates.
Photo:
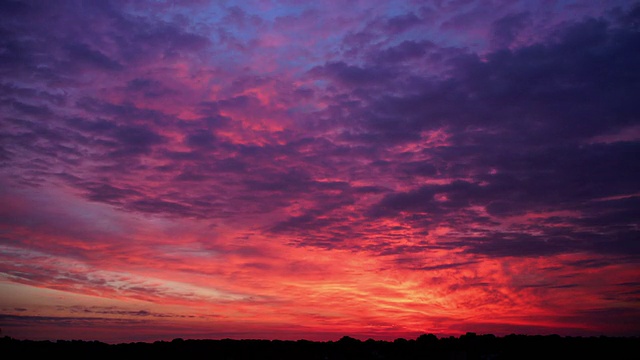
(469, 346)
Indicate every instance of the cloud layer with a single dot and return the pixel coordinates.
(379, 170)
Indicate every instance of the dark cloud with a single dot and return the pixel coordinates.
(616, 319)
(201, 139)
(135, 140)
(449, 266)
(10, 91)
(159, 206)
(589, 263)
(505, 30)
(402, 23)
(497, 244)
(109, 194)
(111, 310)
(351, 75)
(62, 321)
(31, 110)
(13, 8)
(573, 87)
(420, 200)
(406, 50)
(98, 126)
(83, 54)
(521, 123)
(150, 88)
(122, 112)
(609, 213)
(418, 168)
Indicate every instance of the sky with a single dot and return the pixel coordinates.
(311, 170)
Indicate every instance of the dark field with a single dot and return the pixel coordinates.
(469, 346)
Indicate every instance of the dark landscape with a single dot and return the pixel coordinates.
(428, 346)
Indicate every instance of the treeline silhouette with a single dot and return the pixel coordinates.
(469, 346)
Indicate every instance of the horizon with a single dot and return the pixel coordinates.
(272, 168)
(421, 337)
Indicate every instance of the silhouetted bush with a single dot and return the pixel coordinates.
(469, 346)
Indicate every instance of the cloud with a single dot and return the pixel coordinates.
(447, 266)
(351, 75)
(82, 54)
(316, 156)
(506, 29)
(111, 310)
(38, 321)
(402, 23)
(405, 51)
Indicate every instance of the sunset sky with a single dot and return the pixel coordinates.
(315, 169)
